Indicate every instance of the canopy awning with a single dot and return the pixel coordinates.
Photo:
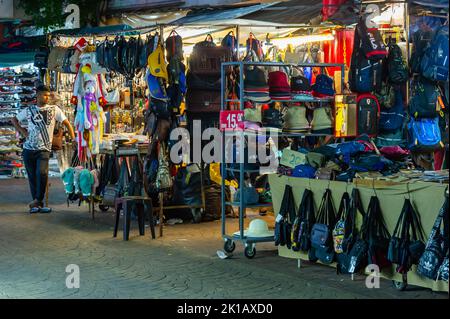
(8, 60)
(103, 30)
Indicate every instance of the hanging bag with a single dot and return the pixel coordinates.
(339, 228)
(282, 224)
(345, 263)
(433, 256)
(321, 237)
(377, 235)
(301, 229)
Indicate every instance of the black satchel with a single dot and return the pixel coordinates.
(283, 225)
(321, 237)
(433, 256)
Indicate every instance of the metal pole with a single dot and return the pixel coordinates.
(241, 146)
(222, 167)
(406, 21)
(237, 40)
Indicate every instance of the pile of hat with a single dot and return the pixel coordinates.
(279, 86)
(256, 88)
(301, 89)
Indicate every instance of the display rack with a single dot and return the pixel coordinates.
(250, 242)
(16, 92)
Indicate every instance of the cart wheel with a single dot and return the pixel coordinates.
(250, 251)
(229, 246)
(103, 208)
(399, 285)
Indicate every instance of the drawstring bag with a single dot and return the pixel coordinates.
(404, 249)
(339, 228)
(345, 264)
(377, 235)
(283, 225)
(301, 229)
(431, 261)
(321, 238)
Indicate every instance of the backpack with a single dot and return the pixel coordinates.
(368, 114)
(369, 41)
(424, 135)
(254, 45)
(286, 214)
(174, 45)
(424, 101)
(421, 41)
(207, 59)
(392, 119)
(301, 229)
(386, 96)
(396, 67)
(203, 101)
(391, 138)
(229, 41)
(365, 75)
(434, 64)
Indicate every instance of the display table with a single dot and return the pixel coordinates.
(427, 198)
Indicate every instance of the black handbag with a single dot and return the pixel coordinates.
(431, 260)
(283, 225)
(321, 238)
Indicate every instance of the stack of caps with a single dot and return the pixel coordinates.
(323, 88)
(279, 86)
(255, 85)
(301, 89)
(295, 120)
(271, 119)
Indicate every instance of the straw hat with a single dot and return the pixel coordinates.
(257, 228)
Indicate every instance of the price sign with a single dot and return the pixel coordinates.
(292, 158)
(231, 120)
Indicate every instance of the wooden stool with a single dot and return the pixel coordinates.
(143, 206)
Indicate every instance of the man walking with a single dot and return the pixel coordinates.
(41, 121)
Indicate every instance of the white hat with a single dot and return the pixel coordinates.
(257, 228)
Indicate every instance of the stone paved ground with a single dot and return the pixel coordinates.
(35, 250)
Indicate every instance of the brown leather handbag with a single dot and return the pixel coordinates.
(57, 141)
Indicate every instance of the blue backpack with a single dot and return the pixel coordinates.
(423, 102)
(365, 75)
(424, 135)
(434, 65)
(391, 119)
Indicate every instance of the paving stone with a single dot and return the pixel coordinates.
(35, 250)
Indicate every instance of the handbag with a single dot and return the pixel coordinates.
(286, 213)
(431, 261)
(354, 248)
(377, 235)
(163, 178)
(321, 239)
(339, 228)
(57, 141)
(301, 229)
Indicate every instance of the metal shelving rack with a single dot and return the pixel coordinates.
(250, 242)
